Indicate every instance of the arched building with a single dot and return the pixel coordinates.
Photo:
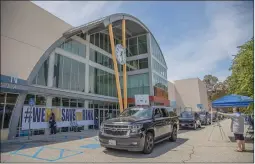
(61, 66)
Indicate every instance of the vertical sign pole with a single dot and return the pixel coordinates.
(124, 66)
(115, 67)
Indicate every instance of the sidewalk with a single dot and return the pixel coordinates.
(210, 145)
(63, 136)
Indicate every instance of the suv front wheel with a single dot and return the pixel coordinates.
(149, 143)
(173, 136)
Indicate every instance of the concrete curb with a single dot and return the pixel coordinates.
(43, 138)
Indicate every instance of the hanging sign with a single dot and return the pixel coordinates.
(120, 54)
(63, 116)
(142, 100)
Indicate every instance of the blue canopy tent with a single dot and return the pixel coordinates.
(232, 101)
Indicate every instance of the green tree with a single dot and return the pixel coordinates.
(242, 78)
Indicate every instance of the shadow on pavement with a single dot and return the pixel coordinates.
(8, 147)
(247, 140)
(190, 129)
(159, 149)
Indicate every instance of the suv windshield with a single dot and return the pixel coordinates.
(186, 115)
(140, 112)
(202, 113)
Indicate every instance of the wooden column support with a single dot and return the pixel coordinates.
(115, 67)
(124, 66)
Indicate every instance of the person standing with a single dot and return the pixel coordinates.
(53, 124)
(237, 127)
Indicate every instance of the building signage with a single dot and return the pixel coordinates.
(142, 100)
(120, 54)
(40, 117)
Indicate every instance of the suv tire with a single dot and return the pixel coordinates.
(195, 126)
(173, 136)
(148, 143)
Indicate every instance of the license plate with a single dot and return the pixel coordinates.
(112, 142)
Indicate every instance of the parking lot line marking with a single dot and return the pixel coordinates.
(61, 153)
(38, 151)
(91, 146)
(22, 147)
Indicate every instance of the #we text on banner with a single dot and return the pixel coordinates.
(64, 116)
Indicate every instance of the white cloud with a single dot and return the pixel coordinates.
(79, 12)
(198, 54)
(194, 55)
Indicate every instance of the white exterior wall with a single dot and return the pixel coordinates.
(188, 93)
(26, 32)
(171, 92)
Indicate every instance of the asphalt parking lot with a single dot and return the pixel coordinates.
(191, 146)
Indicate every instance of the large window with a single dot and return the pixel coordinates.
(100, 59)
(132, 46)
(137, 64)
(135, 45)
(160, 82)
(42, 76)
(7, 104)
(137, 84)
(69, 74)
(74, 47)
(101, 82)
(156, 52)
(159, 68)
(142, 44)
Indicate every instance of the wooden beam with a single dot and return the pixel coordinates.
(115, 64)
(124, 66)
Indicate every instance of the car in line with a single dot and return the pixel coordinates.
(139, 129)
(189, 119)
(204, 117)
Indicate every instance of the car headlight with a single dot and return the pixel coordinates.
(135, 128)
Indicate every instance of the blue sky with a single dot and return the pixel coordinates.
(197, 38)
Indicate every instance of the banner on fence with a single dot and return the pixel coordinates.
(64, 116)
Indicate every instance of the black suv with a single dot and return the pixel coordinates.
(205, 117)
(139, 128)
(189, 119)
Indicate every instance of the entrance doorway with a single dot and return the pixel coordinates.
(100, 116)
(103, 115)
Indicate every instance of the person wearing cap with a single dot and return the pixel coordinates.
(237, 127)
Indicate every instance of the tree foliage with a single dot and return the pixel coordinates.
(215, 89)
(242, 78)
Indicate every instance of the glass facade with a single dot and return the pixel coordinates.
(7, 104)
(135, 45)
(69, 74)
(102, 82)
(137, 84)
(159, 82)
(42, 76)
(74, 47)
(100, 59)
(137, 64)
(159, 68)
(156, 52)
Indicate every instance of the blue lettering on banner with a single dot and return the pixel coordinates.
(43, 115)
(38, 114)
(63, 115)
(68, 115)
(74, 116)
(87, 114)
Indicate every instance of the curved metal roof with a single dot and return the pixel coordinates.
(103, 22)
(106, 21)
